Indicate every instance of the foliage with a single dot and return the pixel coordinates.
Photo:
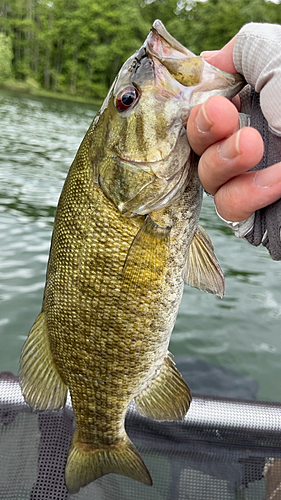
(6, 56)
(211, 24)
(78, 46)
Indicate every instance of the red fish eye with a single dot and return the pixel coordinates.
(126, 98)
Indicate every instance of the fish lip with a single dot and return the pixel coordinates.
(158, 29)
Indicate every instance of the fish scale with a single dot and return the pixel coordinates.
(126, 237)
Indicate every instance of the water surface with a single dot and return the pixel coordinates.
(39, 139)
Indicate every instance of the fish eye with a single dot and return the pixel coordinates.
(127, 98)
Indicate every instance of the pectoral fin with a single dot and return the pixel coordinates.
(202, 269)
(40, 382)
(168, 397)
(147, 255)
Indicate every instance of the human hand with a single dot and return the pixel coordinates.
(227, 153)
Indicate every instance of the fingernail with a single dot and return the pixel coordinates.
(208, 53)
(229, 149)
(202, 121)
(268, 177)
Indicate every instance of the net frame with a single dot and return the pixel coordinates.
(224, 449)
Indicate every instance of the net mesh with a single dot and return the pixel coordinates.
(224, 449)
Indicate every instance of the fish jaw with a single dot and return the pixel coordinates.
(191, 70)
(182, 64)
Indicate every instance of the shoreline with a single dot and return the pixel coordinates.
(32, 90)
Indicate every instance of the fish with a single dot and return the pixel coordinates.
(126, 238)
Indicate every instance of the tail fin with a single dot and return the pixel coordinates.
(86, 463)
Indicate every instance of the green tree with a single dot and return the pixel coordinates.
(97, 38)
(79, 46)
(6, 56)
(210, 24)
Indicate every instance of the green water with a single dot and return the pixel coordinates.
(39, 138)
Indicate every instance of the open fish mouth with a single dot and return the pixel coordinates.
(161, 44)
(187, 68)
(181, 63)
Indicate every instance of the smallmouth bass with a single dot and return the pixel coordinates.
(126, 238)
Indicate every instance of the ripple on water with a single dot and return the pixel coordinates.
(241, 331)
(35, 156)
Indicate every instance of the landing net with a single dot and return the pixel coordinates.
(224, 449)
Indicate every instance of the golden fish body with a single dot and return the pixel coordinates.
(125, 238)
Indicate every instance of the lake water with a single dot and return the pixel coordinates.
(39, 139)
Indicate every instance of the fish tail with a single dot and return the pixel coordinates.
(86, 463)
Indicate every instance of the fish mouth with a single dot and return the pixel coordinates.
(181, 63)
(188, 69)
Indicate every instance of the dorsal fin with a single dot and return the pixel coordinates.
(202, 269)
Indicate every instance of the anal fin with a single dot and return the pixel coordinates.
(40, 382)
(202, 269)
(168, 397)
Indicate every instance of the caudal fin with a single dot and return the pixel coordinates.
(86, 463)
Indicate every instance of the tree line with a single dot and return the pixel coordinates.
(78, 46)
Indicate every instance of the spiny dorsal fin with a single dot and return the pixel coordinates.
(202, 269)
(167, 397)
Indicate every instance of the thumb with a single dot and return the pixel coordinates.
(223, 58)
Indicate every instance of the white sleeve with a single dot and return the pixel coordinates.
(257, 56)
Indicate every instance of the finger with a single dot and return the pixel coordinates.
(231, 157)
(223, 58)
(243, 195)
(211, 122)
